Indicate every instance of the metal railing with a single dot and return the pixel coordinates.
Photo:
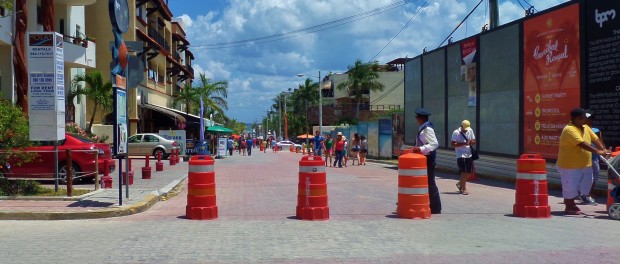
(152, 32)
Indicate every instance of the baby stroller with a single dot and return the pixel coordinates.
(613, 187)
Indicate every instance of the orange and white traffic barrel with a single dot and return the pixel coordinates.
(312, 189)
(531, 196)
(413, 200)
(201, 201)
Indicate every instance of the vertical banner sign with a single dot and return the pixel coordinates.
(551, 78)
(46, 86)
(120, 107)
(603, 62)
(468, 67)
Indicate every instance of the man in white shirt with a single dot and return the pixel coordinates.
(462, 138)
(426, 144)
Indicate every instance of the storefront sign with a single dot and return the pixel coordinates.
(551, 78)
(469, 69)
(46, 82)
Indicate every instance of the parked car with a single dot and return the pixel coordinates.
(83, 161)
(285, 144)
(150, 144)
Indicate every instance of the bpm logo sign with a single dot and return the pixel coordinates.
(601, 18)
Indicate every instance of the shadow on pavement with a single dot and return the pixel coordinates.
(89, 203)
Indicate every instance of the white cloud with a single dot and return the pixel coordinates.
(256, 73)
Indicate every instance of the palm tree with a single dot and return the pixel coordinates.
(303, 97)
(188, 95)
(361, 77)
(75, 91)
(98, 91)
(214, 95)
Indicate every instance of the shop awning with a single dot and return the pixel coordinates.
(219, 129)
(165, 111)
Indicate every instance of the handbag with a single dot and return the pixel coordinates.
(474, 152)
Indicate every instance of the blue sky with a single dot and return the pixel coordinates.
(258, 72)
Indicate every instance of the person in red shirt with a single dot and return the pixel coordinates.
(339, 148)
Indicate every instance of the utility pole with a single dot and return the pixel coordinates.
(493, 14)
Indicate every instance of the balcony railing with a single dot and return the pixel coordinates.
(190, 69)
(158, 38)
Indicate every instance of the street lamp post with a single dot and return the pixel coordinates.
(320, 100)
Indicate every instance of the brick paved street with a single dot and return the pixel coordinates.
(256, 199)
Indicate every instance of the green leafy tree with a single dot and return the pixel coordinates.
(189, 95)
(305, 96)
(236, 126)
(214, 95)
(98, 91)
(362, 77)
(14, 134)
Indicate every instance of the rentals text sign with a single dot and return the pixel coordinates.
(46, 82)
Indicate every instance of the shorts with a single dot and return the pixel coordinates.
(364, 151)
(329, 151)
(466, 165)
(575, 181)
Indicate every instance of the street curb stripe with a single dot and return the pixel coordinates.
(413, 172)
(531, 176)
(311, 168)
(201, 168)
(402, 190)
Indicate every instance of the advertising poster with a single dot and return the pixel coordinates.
(398, 133)
(221, 147)
(46, 86)
(178, 136)
(373, 139)
(603, 67)
(551, 78)
(385, 138)
(120, 107)
(468, 67)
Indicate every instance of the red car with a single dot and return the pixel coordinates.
(83, 160)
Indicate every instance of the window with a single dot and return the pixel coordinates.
(150, 138)
(134, 139)
(141, 12)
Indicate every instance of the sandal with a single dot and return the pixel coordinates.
(458, 185)
(464, 192)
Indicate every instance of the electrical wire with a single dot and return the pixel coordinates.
(401, 30)
(519, 1)
(305, 31)
(462, 21)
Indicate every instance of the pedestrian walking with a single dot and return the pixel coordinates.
(274, 146)
(426, 144)
(264, 145)
(230, 144)
(364, 150)
(355, 149)
(328, 146)
(317, 140)
(575, 159)
(462, 139)
(345, 153)
(250, 144)
(243, 146)
(339, 148)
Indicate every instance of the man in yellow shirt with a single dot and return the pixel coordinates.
(575, 159)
